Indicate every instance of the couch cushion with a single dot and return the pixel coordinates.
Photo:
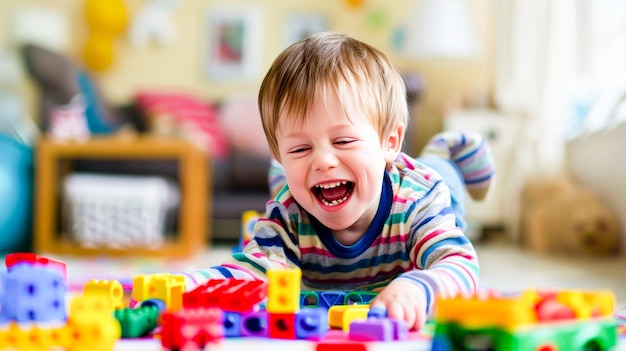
(184, 115)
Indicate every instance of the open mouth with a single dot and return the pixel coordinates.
(333, 194)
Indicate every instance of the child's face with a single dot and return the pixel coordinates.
(334, 164)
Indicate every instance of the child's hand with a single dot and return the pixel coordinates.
(403, 300)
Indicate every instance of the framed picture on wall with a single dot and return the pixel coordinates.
(301, 25)
(234, 35)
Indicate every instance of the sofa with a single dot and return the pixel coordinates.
(239, 169)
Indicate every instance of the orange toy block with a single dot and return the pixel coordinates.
(107, 289)
(166, 287)
(283, 291)
(340, 316)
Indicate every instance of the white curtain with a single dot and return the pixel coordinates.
(534, 63)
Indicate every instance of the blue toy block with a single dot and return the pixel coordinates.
(34, 293)
(331, 298)
(158, 303)
(377, 312)
(254, 324)
(232, 324)
(311, 323)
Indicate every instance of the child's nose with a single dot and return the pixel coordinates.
(323, 160)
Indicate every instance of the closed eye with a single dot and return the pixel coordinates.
(299, 150)
(344, 141)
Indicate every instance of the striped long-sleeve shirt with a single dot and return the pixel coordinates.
(413, 236)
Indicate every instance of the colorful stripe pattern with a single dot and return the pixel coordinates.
(419, 242)
(471, 154)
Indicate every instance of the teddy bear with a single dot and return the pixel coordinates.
(559, 216)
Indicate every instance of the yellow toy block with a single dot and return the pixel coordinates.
(248, 220)
(90, 308)
(93, 336)
(283, 291)
(35, 339)
(108, 289)
(61, 337)
(507, 312)
(340, 316)
(588, 304)
(11, 336)
(166, 287)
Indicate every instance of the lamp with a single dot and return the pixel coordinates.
(441, 29)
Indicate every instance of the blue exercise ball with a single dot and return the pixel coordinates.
(16, 196)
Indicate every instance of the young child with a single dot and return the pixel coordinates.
(354, 213)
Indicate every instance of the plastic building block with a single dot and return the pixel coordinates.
(159, 304)
(311, 323)
(331, 298)
(254, 324)
(522, 323)
(92, 334)
(106, 289)
(359, 297)
(33, 293)
(309, 299)
(377, 312)
(137, 322)
(340, 346)
(15, 258)
(281, 325)
(233, 295)
(232, 324)
(191, 328)
(379, 329)
(283, 290)
(166, 287)
(340, 316)
(400, 329)
(12, 337)
(90, 308)
(248, 220)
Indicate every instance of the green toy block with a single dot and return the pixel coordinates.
(137, 322)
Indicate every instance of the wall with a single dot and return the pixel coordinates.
(180, 65)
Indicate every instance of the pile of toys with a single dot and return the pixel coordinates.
(35, 316)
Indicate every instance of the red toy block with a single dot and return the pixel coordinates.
(28, 257)
(232, 295)
(282, 325)
(192, 327)
(340, 346)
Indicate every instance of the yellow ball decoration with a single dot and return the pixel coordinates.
(106, 16)
(98, 53)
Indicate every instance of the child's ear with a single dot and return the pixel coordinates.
(393, 143)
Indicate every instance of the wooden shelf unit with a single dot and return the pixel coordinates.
(194, 179)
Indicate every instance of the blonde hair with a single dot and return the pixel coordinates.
(353, 70)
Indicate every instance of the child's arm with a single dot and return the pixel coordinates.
(272, 247)
(444, 259)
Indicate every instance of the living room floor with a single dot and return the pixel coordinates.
(503, 267)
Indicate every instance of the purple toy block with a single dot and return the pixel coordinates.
(311, 323)
(232, 324)
(400, 329)
(34, 293)
(254, 324)
(373, 329)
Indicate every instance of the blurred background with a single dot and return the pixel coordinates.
(543, 81)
